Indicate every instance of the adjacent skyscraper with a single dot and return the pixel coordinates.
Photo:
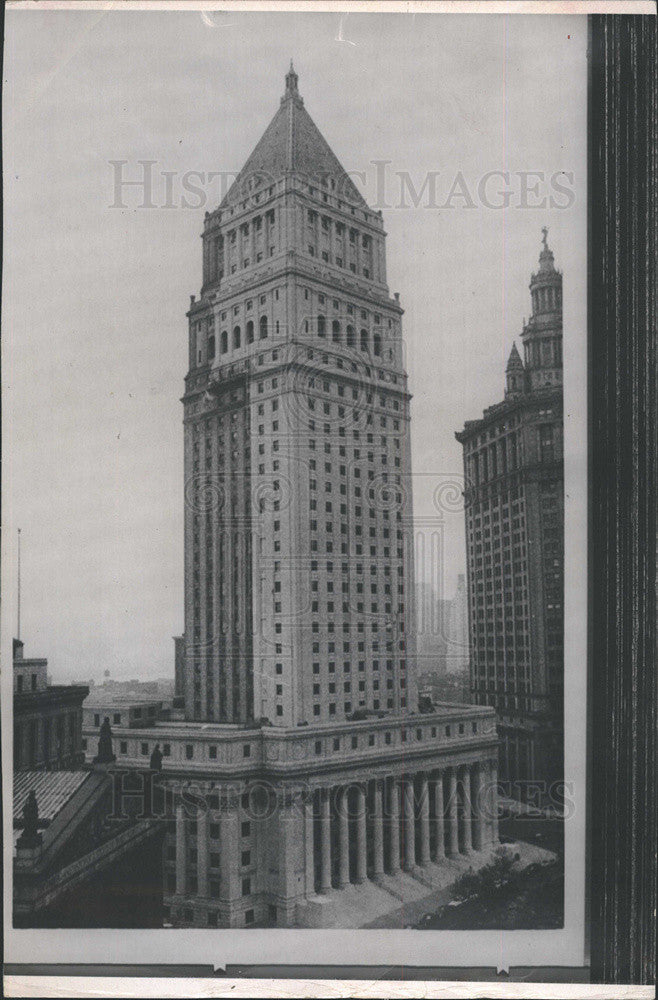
(298, 576)
(514, 498)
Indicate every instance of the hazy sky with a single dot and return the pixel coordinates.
(95, 335)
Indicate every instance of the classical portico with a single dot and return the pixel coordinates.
(305, 822)
(363, 830)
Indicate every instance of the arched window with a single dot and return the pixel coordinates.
(377, 344)
(250, 332)
(351, 339)
(236, 337)
(364, 340)
(224, 342)
(263, 327)
(211, 347)
(321, 327)
(335, 332)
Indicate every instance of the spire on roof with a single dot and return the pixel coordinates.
(291, 83)
(514, 361)
(292, 143)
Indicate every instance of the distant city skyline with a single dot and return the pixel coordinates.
(93, 372)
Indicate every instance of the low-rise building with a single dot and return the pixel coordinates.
(275, 826)
(128, 712)
(75, 863)
(47, 717)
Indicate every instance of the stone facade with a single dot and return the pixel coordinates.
(47, 717)
(299, 562)
(514, 500)
(285, 827)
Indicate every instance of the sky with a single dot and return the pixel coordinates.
(94, 295)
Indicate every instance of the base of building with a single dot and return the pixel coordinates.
(400, 900)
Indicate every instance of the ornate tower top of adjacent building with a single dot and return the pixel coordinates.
(542, 334)
(547, 277)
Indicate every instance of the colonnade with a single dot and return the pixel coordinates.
(369, 829)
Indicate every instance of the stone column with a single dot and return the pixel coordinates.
(409, 826)
(453, 835)
(309, 853)
(202, 853)
(343, 842)
(394, 844)
(439, 824)
(466, 803)
(378, 831)
(494, 802)
(477, 798)
(181, 851)
(230, 890)
(360, 835)
(424, 822)
(325, 840)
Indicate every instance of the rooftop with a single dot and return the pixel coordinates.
(292, 143)
(53, 790)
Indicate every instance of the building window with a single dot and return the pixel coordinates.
(189, 751)
(246, 887)
(249, 917)
(116, 719)
(97, 720)
(263, 328)
(123, 746)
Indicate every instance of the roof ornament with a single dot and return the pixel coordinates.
(105, 754)
(546, 257)
(30, 837)
(291, 82)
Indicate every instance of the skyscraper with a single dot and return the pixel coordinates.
(514, 500)
(457, 659)
(320, 796)
(298, 578)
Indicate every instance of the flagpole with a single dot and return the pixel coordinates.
(18, 624)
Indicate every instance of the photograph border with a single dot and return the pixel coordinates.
(623, 421)
(622, 227)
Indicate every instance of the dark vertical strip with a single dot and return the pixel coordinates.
(623, 225)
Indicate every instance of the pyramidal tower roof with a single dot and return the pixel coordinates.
(293, 144)
(514, 361)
